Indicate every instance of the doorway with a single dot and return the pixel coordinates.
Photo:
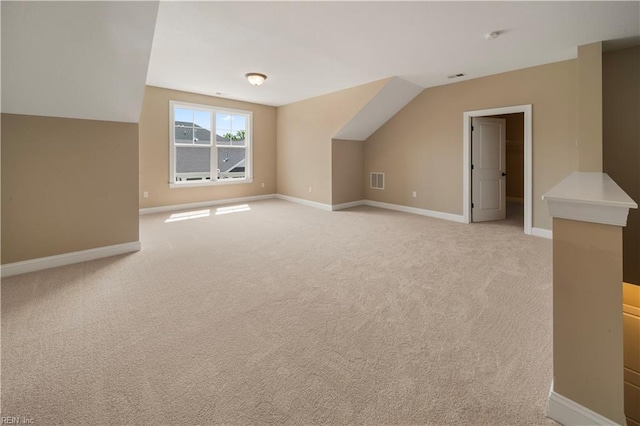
(514, 165)
(527, 154)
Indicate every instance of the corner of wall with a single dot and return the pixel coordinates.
(305, 131)
(590, 107)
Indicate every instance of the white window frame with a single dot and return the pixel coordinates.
(212, 110)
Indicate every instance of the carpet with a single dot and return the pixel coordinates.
(277, 313)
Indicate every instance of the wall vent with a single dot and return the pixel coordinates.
(377, 180)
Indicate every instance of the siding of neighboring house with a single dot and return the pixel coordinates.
(197, 160)
(193, 160)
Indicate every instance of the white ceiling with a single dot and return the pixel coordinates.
(92, 59)
(76, 59)
(312, 48)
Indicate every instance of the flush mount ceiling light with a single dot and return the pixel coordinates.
(492, 35)
(255, 78)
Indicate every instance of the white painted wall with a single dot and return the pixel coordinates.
(84, 60)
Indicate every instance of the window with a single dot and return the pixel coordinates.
(209, 145)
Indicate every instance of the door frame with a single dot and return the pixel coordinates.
(528, 169)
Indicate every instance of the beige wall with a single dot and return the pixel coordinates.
(305, 130)
(346, 171)
(154, 151)
(621, 143)
(420, 148)
(587, 316)
(67, 185)
(590, 107)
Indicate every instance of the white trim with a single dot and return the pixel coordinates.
(584, 212)
(570, 413)
(314, 204)
(589, 197)
(176, 207)
(414, 210)
(541, 232)
(528, 159)
(194, 183)
(304, 202)
(397, 207)
(347, 205)
(41, 263)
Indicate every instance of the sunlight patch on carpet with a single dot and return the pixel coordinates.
(176, 217)
(233, 209)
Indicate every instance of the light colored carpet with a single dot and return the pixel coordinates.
(288, 314)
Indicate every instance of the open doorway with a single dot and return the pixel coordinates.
(518, 199)
(514, 167)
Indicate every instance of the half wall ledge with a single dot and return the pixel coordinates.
(589, 197)
(589, 211)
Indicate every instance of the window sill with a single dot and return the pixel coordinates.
(209, 183)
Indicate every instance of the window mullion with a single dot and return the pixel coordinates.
(172, 148)
(214, 148)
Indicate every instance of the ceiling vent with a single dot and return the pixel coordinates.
(456, 75)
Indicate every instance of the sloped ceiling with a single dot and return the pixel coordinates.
(76, 59)
(90, 59)
(311, 48)
(395, 94)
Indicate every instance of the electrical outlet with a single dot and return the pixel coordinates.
(145, 194)
(309, 189)
(415, 194)
(263, 184)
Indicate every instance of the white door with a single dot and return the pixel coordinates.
(488, 169)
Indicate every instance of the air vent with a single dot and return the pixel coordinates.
(457, 75)
(377, 180)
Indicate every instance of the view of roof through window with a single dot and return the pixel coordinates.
(193, 128)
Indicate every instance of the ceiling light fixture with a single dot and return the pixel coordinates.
(491, 36)
(256, 78)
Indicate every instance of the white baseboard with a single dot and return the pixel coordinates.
(388, 206)
(304, 202)
(347, 205)
(570, 413)
(41, 263)
(423, 212)
(176, 207)
(540, 232)
(327, 207)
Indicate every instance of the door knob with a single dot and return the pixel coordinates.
(504, 174)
